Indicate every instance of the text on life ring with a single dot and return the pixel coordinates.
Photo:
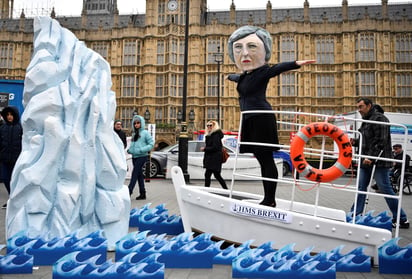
(321, 175)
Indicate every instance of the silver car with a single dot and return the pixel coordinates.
(158, 159)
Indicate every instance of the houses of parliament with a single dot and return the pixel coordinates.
(361, 50)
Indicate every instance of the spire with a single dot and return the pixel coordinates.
(53, 13)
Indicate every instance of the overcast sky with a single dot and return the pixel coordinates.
(74, 7)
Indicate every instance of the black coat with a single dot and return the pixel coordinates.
(212, 160)
(10, 136)
(122, 136)
(376, 138)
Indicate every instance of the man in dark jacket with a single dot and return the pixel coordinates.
(118, 129)
(376, 142)
(398, 155)
(11, 134)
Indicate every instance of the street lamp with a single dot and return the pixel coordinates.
(192, 115)
(218, 60)
(147, 115)
(179, 116)
(191, 126)
(183, 138)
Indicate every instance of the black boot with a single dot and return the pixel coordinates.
(141, 197)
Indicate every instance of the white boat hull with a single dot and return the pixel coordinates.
(211, 210)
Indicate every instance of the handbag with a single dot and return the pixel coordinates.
(225, 155)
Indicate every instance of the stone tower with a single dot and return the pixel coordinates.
(6, 7)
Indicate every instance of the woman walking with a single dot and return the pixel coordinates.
(212, 160)
(139, 148)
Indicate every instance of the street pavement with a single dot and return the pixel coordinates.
(161, 191)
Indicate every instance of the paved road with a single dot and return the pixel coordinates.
(161, 191)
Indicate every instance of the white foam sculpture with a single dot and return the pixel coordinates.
(70, 174)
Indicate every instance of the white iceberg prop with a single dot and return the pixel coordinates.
(71, 171)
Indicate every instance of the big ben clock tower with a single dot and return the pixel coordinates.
(164, 12)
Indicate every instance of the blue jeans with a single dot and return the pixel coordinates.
(137, 175)
(382, 180)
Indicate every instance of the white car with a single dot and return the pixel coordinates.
(162, 161)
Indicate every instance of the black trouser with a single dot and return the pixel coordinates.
(268, 170)
(7, 170)
(208, 175)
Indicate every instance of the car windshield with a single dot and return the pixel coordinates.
(167, 148)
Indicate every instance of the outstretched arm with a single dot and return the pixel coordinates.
(304, 62)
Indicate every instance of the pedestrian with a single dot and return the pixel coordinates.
(11, 133)
(376, 142)
(250, 48)
(212, 159)
(117, 126)
(140, 146)
(398, 155)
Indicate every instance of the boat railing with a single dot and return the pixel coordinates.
(294, 121)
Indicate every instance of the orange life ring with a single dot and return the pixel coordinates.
(321, 175)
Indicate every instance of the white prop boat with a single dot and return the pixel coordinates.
(238, 217)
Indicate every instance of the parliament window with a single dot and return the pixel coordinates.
(126, 114)
(288, 84)
(212, 49)
(161, 49)
(130, 86)
(6, 55)
(365, 84)
(161, 85)
(325, 85)
(161, 11)
(101, 48)
(365, 47)
(211, 113)
(403, 48)
(176, 85)
(159, 115)
(325, 50)
(131, 53)
(287, 48)
(212, 85)
(173, 114)
(404, 85)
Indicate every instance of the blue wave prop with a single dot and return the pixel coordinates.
(382, 220)
(227, 255)
(181, 252)
(156, 220)
(136, 212)
(16, 262)
(354, 261)
(394, 259)
(140, 243)
(48, 251)
(171, 225)
(78, 265)
(261, 263)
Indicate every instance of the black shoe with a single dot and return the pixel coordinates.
(4, 206)
(402, 224)
(141, 197)
(375, 187)
(266, 203)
